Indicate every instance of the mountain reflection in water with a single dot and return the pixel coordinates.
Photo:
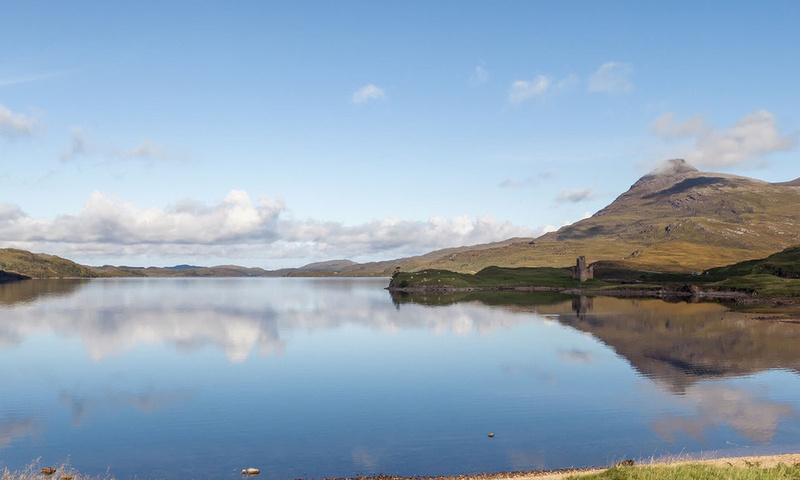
(676, 343)
(167, 378)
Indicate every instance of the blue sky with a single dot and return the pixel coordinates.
(277, 133)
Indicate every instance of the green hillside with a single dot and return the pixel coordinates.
(785, 264)
(38, 265)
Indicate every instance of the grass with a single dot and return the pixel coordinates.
(34, 472)
(695, 471)
(763, 285)
(784, 264)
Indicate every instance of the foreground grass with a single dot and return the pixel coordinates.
(34, 472)
(695, 471)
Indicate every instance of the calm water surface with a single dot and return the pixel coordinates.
(199, 378)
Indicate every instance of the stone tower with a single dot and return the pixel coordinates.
(581, 271)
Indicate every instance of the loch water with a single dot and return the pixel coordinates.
(312, 378)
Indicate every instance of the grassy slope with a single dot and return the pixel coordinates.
(36, 265)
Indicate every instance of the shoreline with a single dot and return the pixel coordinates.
(755, 461)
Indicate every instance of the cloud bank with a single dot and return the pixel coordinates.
(747, 142)
(236, 227)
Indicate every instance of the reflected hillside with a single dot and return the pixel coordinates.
(675, 343)
(24, 291)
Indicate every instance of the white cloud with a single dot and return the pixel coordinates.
(16, 124)
(749, 140)
(367, 93)
(479, 76)
(611, 77)
(575, 195)
(523, 90)
(236, 227)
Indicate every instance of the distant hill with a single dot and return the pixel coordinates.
(180, 271)
(15, 264)
(674, 219)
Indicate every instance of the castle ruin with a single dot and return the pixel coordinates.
(581, 271)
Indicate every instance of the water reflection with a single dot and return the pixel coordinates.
(12, 428)
(677, 344)
(683, 347)
(238, 317)
(333, 377)
(82, 407)
(12, 293)
(754, 417)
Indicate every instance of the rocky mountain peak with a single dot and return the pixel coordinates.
(675, 166)
(665, 175)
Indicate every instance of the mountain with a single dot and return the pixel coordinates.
(674, 219)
